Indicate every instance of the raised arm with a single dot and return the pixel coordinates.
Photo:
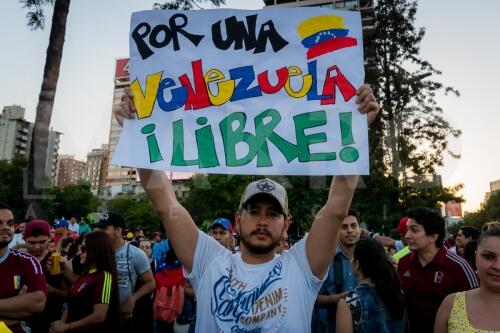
(179, 226)
(322, 239)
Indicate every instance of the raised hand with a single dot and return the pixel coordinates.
(126, 108)
(367, 102)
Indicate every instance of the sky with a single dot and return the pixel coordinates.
(462, 40)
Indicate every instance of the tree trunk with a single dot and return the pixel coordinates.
(37, 178)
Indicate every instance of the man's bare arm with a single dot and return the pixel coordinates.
(147, 287)
(22, 306)
(322, 239)
(179, 226)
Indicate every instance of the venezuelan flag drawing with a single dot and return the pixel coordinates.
(324, 34)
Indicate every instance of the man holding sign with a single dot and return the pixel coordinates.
(254, 290)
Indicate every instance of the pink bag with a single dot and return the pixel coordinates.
(168, 303)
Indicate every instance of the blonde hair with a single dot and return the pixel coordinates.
(489, 225)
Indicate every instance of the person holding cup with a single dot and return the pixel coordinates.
(92, 301)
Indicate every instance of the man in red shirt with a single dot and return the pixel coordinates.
(23, 288)
(37, 235)
(62, 232)
(429, 273)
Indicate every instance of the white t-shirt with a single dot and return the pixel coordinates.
(16, 239)
(232, 296)
(75, 227)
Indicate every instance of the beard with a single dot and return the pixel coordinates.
(3, 244)
(260, 249)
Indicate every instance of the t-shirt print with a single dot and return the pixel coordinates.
(237, 307)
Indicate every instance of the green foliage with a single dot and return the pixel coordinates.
(492, 207)
(11, 185)
(137, 211)
(375, 193)
(306, 196)
(489, 211)
(374, 200)
(212, 196)
(415, 130)
(36, 12)
(73, 200)
(453, 229)
(187, 4)
(410, 137)
(476, 219)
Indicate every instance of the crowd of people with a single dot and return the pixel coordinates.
(245, 275)
(110, 281)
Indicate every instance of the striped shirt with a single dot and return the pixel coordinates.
(18, 269)
(426, 287)
(94, 287)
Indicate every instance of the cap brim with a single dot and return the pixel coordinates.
(220, 225)
(265, 194)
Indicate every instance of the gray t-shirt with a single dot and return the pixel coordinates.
(129, 268)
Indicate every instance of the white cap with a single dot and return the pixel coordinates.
(266, 186)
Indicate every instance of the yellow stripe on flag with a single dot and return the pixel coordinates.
(319, 23)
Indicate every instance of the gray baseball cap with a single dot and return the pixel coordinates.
(269, 187)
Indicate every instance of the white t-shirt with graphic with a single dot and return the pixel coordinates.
(232, 296)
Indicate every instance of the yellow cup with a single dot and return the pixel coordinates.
(55, 267)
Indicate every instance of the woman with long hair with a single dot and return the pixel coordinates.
(377, 303)
(93, 304)
(476, 310)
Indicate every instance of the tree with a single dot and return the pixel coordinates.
(39, 143)
(73, 200)
(492, 207)
(137, 211)
(489, 211)
(409, 139)
(187, 4)
(306, 196)
(415, 130)
(11, 185)
(212, 196)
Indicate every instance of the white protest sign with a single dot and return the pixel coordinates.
(246, 92)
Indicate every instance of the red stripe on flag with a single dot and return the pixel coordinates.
(331, 45)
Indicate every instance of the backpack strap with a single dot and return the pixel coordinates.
(128, 268)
